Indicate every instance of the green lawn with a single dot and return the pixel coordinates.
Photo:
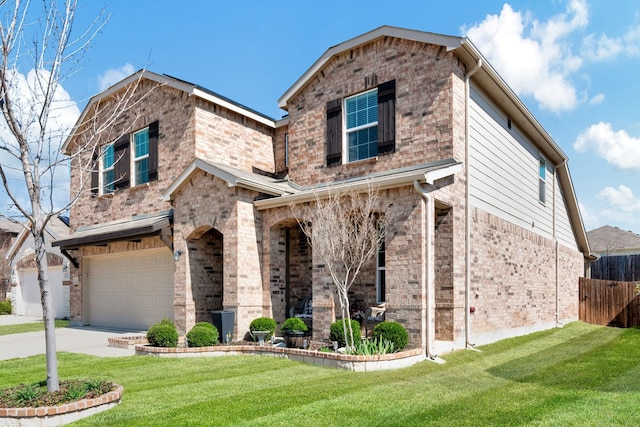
(30, 327)
(578, 375)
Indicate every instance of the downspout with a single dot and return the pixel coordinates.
(557, 245)
(427, 277)
(467, 211)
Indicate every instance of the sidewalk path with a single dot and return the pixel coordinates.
(75, 340)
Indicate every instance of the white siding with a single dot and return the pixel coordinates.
(504, 175)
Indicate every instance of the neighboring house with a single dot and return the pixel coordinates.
(25, 289)
(9, 230)
(618, 254)
(484, 238)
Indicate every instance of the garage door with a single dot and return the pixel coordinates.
(31, 302)
(132, 290)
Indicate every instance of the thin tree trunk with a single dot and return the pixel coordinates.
(47, 311)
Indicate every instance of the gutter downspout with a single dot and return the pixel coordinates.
(427, 277)
(557, 246)
(467, 211)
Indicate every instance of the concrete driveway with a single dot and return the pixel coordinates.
(74, 340)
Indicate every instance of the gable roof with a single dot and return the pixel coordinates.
(10, 227)
(611, 240)
(492, 83)
(233, 176)
(182, 85)
(56, 229)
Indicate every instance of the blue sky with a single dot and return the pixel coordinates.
(573, 62)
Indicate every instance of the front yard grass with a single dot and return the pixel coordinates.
(578, 375)
(30, 327)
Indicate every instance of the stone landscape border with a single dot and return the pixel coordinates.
(354, 363)
(61, 414)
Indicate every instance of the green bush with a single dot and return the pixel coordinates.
(5, 307)
(392, 332)
(293, 324)
(336, 332)
(203, 334)
(163, 334)
(263, 324)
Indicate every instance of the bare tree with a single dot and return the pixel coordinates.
(345, 231)
(41, 42)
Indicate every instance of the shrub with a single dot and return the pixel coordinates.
(336, 332)
(203, 334)
(163, 334)
(293, 324)
(5, 307)
(263, 324)
(392, 332)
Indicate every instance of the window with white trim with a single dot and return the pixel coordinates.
(381, 274)
(361, 126)
(542, 182)
(107, 170)
(141, 156)
(130, 160)
(361, 118)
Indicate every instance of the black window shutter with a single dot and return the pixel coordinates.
(153, 151)
(121, 168)
(95, 173)
(334, 132)
(387, 117)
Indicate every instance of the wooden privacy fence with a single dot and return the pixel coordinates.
(624, 268)
(609, 303)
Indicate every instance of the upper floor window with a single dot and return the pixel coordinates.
(542, 182)
(369, 123)
(361, 117)
(117, 169)
(141, 158)
(108, 172)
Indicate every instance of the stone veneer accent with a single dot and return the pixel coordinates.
(59, 415)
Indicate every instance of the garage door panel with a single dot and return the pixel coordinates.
(130, 291)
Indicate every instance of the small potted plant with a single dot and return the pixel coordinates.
(295, 332)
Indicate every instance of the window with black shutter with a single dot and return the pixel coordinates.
(387, 117)
(121, 167)
(334, 132)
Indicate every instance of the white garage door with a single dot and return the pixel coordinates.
(132, 290)
(31, 302)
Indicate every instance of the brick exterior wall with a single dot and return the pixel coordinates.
(514, 279)
(424, 108)
(258, 263)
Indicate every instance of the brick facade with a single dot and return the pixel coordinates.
(257, 262)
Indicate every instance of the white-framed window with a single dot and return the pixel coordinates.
(107, 170)
(542, 180)
(141, 156)
(286, 150)
(381, 274)
(361, 119)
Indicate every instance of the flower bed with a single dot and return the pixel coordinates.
(60, 414)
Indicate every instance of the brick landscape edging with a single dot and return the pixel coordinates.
(48, 415)
(357, 363)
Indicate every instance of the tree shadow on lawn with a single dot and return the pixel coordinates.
(599, 361)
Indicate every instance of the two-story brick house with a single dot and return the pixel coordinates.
(190, 208)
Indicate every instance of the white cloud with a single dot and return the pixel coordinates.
(534, 57)
(589, 217)
(621, 207)
(114, 75)
(26, 92)
(618, 148)
(602, 47)
(598, 99)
